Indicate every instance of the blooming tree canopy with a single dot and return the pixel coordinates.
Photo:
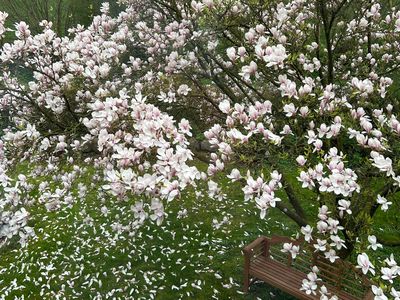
(309, 81)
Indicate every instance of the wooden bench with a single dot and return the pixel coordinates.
(264, 260)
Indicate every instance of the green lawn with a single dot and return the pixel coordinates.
(79, 253)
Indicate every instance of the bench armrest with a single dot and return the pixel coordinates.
(256, 243)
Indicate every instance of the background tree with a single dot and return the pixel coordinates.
(63, 13)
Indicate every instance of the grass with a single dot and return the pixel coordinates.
(78, 255)
(81, 253)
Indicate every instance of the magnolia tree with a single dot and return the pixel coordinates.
(312, 79)
(76, 105)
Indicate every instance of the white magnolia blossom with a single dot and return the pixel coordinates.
(364, 264)
(292, 249)
(374, 245)
(383, 202)
(310, 285)
(379, 295)
(307, 231)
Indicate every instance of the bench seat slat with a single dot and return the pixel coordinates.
(287, 283)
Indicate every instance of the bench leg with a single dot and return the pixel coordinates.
(246, 282)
